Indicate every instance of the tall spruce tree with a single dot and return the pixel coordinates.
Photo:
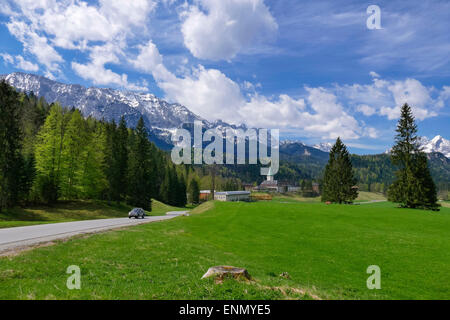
(414, 187)
(339, 181)
(140, 169)
(181, 191)
(194, 191)
(11, 160)
(121, 157)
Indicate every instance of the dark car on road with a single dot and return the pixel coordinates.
(136, 213)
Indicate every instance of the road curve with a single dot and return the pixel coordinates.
(21, 237)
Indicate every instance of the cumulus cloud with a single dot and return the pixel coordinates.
(212, 95)
(385, 98)
(220, 29)
(7, 58)
(95, 69)
(35, 44)
(366, 110)
(19, 62)
(44, 25)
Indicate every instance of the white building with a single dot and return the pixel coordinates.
(232, 196)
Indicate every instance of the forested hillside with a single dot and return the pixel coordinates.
(49, 152)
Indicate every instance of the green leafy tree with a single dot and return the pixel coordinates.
(49, 147)
(414, 187)
(339, 181)
(75, 142)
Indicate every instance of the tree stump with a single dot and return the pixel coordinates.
(220, 273)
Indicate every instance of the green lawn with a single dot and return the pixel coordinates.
(65, 211)
(325, 249)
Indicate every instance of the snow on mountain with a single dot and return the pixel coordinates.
(324, 146)
(160, 117)
(437, 144)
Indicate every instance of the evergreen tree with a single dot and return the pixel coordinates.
(92, 178)
(181, 192)
(165, 186)
(414, 187)
(140, 174)
(194, 192)
(11, 160)
(110, 168)
(338, 180)
(121, 157)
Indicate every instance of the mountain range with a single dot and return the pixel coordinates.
(161, 118)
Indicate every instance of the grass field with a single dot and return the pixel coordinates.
(325, 249)
(72, 211)
(363, 196)
(369, 196)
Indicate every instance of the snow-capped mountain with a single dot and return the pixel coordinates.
(324, 146)
(160, 117)
(437, 144)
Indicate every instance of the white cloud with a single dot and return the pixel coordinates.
(7, 58)
(371, 133)
(219, 29)
(373, 74)
(19, 62)
(150, 61)
(366, 110)
(212, 95)
(385, 98)
(390, 113)
(415, 94)
(43, 25)
(35, 44)
(262, 112)
(26, 65)
(207, 92)
(96, 72)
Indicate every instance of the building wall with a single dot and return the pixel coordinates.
(232, 197)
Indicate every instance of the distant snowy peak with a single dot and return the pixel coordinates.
(288, 142)
(437, 144)
(324, 146)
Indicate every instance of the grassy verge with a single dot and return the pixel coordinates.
(66, 211)
(369, 196)
(325, 250)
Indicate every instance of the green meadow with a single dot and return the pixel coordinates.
(325, 250)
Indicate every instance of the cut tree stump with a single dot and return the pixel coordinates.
(222, 272)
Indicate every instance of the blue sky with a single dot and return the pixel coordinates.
(313, 69)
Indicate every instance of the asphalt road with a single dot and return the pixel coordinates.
(22, 237)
